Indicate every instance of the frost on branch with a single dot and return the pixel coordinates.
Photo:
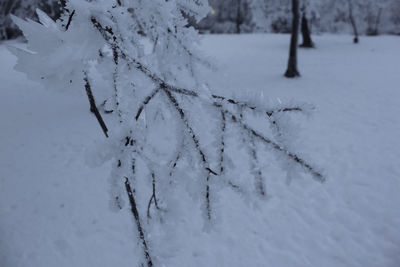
(171, 134)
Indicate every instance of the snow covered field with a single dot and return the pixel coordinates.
(54, 207)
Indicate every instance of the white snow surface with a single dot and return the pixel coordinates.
(54, 208)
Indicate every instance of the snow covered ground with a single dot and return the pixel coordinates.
(54, 208)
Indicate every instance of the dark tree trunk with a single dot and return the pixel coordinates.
(378, 19)
(239, 19)
(373, 30)
(353, 22)
(292, 71)
(305, 32)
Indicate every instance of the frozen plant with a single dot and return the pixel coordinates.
(171, 134)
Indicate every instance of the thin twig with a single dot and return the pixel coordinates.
(222, 149)
(93, 107)
(146, 101)
(256, 169)
(69, 20)
(174, 163)
(136, 216)
(197, 146)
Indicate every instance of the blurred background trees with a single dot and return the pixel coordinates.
(371, 17)
(228, 16)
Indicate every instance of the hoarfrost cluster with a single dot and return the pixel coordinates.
(173, 142)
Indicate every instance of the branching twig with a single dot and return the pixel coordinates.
(255, 169)
(153, 195)
(173, 96)
(235, 187)
(108, 35)
(316, 175)
(197, 146)
(216, 100)
(190, 130)
(244, 105)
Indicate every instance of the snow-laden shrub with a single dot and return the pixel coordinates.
(174, 142)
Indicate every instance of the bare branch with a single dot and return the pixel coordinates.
(160, 82)
(197, 146)
(219, 101)
(108, 34)
(189, 128)
(244, 105)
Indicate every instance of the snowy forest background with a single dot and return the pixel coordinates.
(245, 16)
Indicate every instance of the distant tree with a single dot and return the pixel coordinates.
(395, 16)
(307, 7)
(363, 15)
(352, 20)
(239, 18)
(228, 16)
(6, 7)
(374, 11)
(271, 15)
(305, 31)
(292, 71)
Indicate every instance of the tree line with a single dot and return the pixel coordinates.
(369, 17)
